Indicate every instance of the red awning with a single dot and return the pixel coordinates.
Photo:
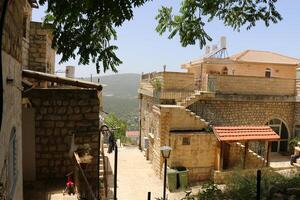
(245, 133)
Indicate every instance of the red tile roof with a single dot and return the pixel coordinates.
(243, 133)
(132, 133)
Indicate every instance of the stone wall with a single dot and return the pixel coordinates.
(226, 84)
(243, 69)
(233, 113)
(12, 62)
(235, 158)
(146, 116)
(198, 157)
(166, 118)
(60, 113)
(26, 34)
(297, 113)
(41, 55)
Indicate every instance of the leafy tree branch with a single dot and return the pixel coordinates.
(189, 23)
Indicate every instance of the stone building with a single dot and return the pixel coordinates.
(44, 116)
(252, 88)
(13, 43)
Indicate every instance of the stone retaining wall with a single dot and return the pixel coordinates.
(237, 113)
(59, 113)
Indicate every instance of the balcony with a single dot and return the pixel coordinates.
(167, 85)
(249, 85)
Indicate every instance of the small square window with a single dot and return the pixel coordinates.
(186, 141)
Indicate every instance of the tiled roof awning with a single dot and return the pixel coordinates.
(245, 133)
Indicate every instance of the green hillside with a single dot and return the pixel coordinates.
(120, 96)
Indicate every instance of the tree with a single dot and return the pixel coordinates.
(86, 27)
(115, 123)
(189, 23)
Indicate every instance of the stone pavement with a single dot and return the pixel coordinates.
(46, 190)
(136, 177)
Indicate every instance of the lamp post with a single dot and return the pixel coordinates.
(165, 152)
(112, 147)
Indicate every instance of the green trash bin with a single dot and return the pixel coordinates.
(172, 180)
(183, 177)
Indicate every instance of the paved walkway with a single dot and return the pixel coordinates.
(136, 177)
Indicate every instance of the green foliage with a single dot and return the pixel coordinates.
(242, 186)
(193, 14)
(293, 141)
(119, 90)
(210, 191)
(87, 27)
(128, 113)
(115, 123)
(156, 83)
(209, 129)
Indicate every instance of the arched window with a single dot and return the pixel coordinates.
(280, 128)
(225, 71)
(268, 73)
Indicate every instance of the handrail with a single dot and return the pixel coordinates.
(84, 177)
(105, 171)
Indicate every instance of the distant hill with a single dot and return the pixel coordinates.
(120, 96)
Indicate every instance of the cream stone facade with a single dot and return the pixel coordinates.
(251, 88)
(14, 44)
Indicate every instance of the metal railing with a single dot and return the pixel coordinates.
(87, 191)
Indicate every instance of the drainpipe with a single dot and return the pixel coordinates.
(2, 20)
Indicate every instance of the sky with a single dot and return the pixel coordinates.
(142, 49)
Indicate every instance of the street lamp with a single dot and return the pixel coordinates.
(165, 152)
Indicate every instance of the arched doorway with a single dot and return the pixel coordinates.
(281, 129)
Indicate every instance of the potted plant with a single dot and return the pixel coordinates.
(293, 141)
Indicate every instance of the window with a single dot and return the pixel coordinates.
(12, 162)
(280, 128)
(186, 141)
(297, 130)
(268, 73)
(225, 71)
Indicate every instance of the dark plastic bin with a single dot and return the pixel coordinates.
(183, 177)
(172, 179)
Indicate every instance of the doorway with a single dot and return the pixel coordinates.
(280, 128)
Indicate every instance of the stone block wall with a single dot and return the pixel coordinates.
(26, 34)
(226, 84)
(165, 119)
(12, 119)
(146, 116)
(235, 158)
(41, 55)
(198, 157)
(242, 69)
(297, 114)
(234, 112)
(60, 113)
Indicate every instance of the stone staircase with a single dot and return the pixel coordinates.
(198, 95)
(102, 178)
(253, 158)
(195, 116)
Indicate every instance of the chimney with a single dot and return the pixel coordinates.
(223, 42)
(70, 71)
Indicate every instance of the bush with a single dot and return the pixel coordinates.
(242, 186)
(293, 141)
(210, 191)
